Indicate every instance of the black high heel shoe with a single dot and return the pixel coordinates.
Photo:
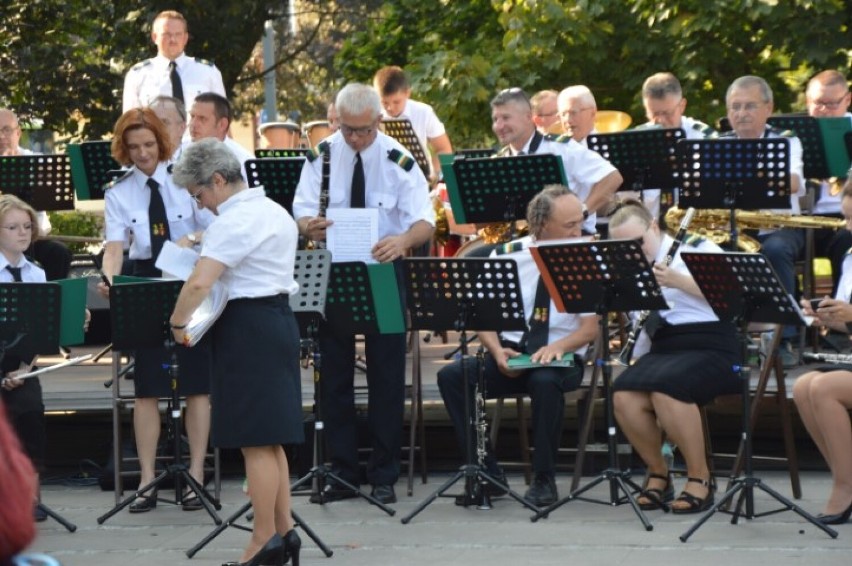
(271, 553)
(292, 546)
(837, 518)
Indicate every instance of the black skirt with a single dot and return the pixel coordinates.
(693, 363)
(256, 391)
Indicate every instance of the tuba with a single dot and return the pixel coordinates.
(714, 224)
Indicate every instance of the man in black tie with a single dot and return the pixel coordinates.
(367, 169)
(555, 213)
(171, 72)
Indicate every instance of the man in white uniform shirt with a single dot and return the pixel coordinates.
(171, 72)
(210, 117)
(367, 169)
(395, 92)
(828, 96)
(172, 113)
(590, 176)
(577, 111)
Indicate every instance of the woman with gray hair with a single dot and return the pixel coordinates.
(255, 391)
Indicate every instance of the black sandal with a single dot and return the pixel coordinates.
(656, 498)
(696, 504)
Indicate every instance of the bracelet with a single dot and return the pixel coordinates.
(177, 326)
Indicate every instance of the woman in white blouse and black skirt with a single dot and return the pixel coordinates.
(256, 390)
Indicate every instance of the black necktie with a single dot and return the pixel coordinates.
(16, 273)
(539, 321)
(177, 85)
(157, 219)
(357, 198)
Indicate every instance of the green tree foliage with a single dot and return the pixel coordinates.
(459, 54)
(63, 62)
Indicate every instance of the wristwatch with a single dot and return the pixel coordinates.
(585, 211)
(192, 237)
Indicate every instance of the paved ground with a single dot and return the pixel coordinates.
(359, 534)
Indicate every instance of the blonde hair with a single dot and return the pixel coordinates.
(631, 208)
(9, 203)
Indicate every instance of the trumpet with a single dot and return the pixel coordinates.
(827, 358)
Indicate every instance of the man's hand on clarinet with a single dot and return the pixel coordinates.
(315, 228)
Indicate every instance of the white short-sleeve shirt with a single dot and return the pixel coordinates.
(151, 78)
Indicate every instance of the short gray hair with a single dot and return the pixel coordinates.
(512, 95)
(164, 101)
(356, 99)
(660, 85)
(201, 159)
(576, 92)
(750, 81)
(540, 207)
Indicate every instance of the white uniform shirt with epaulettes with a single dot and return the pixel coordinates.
(424, 122)
(149, 79)
(240, 153)
(30, 272)
(256, 239)
(829, 203)
(796, 166)
(694, 130)
(126, 210)
(561, 324)
(394, 184)
(583, 167)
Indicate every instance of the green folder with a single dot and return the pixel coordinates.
(833, 131)
(523, 362)
(73, 310)
(364, 299)
(446, 160)
(383, 285)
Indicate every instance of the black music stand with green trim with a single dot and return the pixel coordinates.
(284, 152)
(601, 277)
(646, 158)
(139, 317)
(92, 168)
(43, 181)
(30, 324)
(473, 153)
(485, 190)
(279, 177)
(462, 294)
(402, 131)
(364, 299)
(823, 153)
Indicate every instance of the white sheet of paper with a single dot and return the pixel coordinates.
(354, 233)
(176, 261)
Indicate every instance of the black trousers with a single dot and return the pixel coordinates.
(385, 355)
(545, 386)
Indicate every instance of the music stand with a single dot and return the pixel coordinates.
(475, 152)
(43, 181)
(601, 277)
(823, 154)
(311, 271)
(750, 174)
(288, 152)
(744, 288)
(92, 167)
(278, 176)
(402, 131)
(30, 320)
(646, 158)
(476, 293)
(139, 317)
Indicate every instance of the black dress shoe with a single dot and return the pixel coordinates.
(272, 553)
(542, 492)
(837, 518)
(144, 504)
(384, 493)
(333, 492)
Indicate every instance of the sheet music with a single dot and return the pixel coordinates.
(176, 261)
(353, 235)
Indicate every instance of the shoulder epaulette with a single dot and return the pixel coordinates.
(401, 159)
(204, 62)
(783, 133)
(121, 174)
(704, 129)
(141, 65)
(318, 150)
(504, 151)
(728, 134)
(558, 138)
(510, 247)
(694, 240)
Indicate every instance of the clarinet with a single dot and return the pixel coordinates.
(827, 358)
(323, 196)
(626, 353)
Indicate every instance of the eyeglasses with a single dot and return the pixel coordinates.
(547, 115)
(832, 105)
(746, 107)
(196, 196)
(8, 130)
(573, 112)
(360, 132)
(28, 227)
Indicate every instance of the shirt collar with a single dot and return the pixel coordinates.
(244, 195)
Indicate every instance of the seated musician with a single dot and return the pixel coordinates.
(749, 104)
(824, 396)
(690, 362)
(555, 213)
